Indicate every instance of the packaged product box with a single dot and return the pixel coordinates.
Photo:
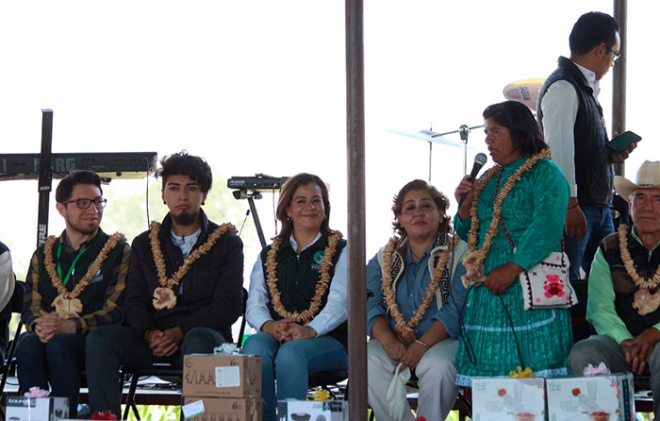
(215, 409)
(508, 399)
(608, 397)
(21, 408)
(221, 376)
(293, 410)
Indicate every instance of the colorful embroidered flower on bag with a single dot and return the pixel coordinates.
(553, 286)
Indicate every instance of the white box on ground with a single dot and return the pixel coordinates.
(21, 408)
(599, 398)
(505, 399)
(222, 409)
(221, 376)
(292, 410)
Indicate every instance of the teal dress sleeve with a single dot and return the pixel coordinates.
(546, 211)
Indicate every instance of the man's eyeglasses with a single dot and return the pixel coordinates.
(615, 55)
(99, 202)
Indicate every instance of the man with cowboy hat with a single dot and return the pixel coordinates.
(623, 298)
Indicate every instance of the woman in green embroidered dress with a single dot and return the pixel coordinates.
(498, 334)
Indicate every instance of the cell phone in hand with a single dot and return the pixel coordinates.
(623, 141)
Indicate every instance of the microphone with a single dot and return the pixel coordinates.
(479, 161)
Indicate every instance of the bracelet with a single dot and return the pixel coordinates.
(573, 207)
(424, 344)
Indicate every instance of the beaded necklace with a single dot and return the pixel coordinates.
(321, 286)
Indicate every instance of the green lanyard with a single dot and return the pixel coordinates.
(73, 265)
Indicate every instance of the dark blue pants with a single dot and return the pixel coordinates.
(110, 347)
(59, 362)
(581, 252)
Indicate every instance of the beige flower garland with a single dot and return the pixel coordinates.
(642, 301)
(321, 286)
(474, 259)
(163, 296)
(67, 304)
(403, 329)
(650, 283)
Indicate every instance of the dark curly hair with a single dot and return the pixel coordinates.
(182, 163)
(440, 200)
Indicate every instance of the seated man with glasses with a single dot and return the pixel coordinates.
(75, 284)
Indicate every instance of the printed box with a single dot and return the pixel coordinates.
(508, 399)
(221, 376)
(21, 408)
(599, 398)
(292, 410)
(216, 409)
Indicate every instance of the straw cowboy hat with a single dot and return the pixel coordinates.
(648, 177)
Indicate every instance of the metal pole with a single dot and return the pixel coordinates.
(619, 76)
(357, 291)
(257, 222)
(45, 174)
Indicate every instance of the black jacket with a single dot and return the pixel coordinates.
(209, 295)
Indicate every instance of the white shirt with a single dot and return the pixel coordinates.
(332, 315)
(7, 281)
(560, 106)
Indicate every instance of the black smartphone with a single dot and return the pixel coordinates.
(623, 141)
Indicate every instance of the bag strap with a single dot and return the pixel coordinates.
(508, 236)
(513, 330)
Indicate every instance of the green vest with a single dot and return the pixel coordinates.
(297, 277)
(93, 297)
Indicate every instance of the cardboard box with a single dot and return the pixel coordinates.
(21, 408)
(216, 409)
(507, 399)
(291, 410)
(598, 398)
(221, 376)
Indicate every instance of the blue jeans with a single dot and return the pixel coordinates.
(110, 347)
(59, 362)
(581, 252)
(291, 363)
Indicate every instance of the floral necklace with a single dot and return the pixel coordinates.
(474, 259)
(67, 305)
(405, 330)
(163, 296)
(321, 286)
(642, 302)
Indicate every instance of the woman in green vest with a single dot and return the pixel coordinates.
(297, 299)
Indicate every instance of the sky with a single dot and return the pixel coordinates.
(259, 87)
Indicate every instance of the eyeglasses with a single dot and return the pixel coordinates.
(99, 202)
(615, 55)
